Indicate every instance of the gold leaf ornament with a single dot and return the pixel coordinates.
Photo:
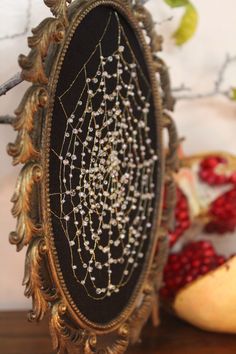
(26, 227)
(172, 166)
(33, 279)
(40, 280)
(65, 338)
(58, 8)
(23, 148)
(48, 31)
(156, 40)
(145, 17)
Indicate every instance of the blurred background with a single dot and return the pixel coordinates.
(204, 115)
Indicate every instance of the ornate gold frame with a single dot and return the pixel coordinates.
(70, 332)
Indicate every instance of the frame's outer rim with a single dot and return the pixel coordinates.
(80, 13)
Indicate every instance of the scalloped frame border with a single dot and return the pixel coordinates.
(71, 333)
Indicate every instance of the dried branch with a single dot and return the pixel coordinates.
(6, 119)
(168, 19)
(26, 27)
(16, 79)
(9, 84)
(181, 88)
(217, 89)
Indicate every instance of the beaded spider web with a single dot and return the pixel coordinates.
(107, 169)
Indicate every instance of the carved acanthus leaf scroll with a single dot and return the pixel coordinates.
(59, 9)
(23, 149)
(47, 32)
(69, 338)
(35, 279)
(26, 228)
(66, 338)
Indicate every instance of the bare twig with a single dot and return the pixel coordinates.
(26, 27)
(9, 84)
(168, 19)
(16, 79)
(217, 89)
(6, 119)
(181, 88)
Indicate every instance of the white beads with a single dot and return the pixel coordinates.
(107, 164)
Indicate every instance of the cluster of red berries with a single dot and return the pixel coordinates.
(223, 213)
(223, 210)
(199, 258)
(194, 260)
(182, 220)
(207, 172)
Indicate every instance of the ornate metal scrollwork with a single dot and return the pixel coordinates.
(27, 228)
(68, 336)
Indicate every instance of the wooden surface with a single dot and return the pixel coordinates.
(17, 336)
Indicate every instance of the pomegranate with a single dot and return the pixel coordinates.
(182, 218)
(222, 211)
(194, 260)
(196, 277)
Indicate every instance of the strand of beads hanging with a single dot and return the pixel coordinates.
(108, 166)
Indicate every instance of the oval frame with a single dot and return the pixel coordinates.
(75, 18)
(71, 331)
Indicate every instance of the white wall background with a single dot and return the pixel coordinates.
(208, 123)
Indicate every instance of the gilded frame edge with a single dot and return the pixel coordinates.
(25, 150)
(81, 13)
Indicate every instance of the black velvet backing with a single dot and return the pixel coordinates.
(82, 45)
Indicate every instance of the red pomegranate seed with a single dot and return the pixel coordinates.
(182, 222)
(194, 260)
(208, 174)
(223, 213)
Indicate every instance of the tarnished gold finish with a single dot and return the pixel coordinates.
(119, 345)
(90, 344)
(65, 338)
(59, 9)
(143, 312)
(69, 335)
(162, 69)
(122, 341)
(34, 281)
(126, 11)
(145, 17)
(172, 166)
(49, 31)
(23, 149)
(172, 161)
(26, 227)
